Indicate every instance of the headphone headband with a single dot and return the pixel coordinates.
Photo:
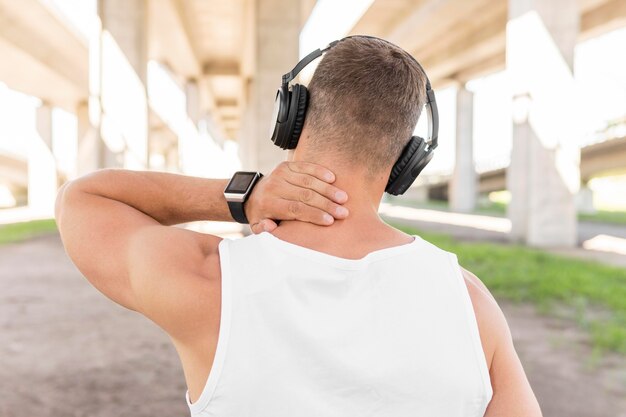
(306, 61)
(431, 103)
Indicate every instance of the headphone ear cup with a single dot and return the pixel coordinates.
(406, 155)
(280, 117)
(412, 160)
(297, 114)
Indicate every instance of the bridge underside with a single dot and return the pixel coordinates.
(604, 158)
(226, 58)
(459, 40)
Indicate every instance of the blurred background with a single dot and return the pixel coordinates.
(528, 184)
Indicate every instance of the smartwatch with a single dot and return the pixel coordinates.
(237, 192)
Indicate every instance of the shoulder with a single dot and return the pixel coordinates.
(492, 325)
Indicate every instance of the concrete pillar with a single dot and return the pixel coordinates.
(276, 44)
(43, 122)
(90, 146)
(544, 175)
(118, 82)
(42, 172)
(171, 159)
(517, 183)
(584, 200)
(463, 187)
(417, 193)
(192, 98)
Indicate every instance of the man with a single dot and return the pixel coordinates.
(335, 317)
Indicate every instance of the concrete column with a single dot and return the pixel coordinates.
(275, 53)
(42, 173)
(43, 122)
(463, 187)
(171, 160)
(90, 146)
(584, 200)
(544, 175)
(192, 98)
(118, 82)
(417, 193)
(517, 183)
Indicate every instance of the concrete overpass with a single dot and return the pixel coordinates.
(600, 158)
(14, 170)
(459, 40)
(534, 40)
(42, 56)
(210, 43)
(596, 160)
(226, 59)
(14, 176)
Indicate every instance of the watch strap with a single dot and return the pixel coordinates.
(236, 210)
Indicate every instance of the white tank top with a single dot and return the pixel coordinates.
(307, 334)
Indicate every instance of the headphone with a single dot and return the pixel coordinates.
(290, 111)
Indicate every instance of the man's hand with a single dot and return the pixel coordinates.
(295, 190)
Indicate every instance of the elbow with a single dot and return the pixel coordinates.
(66, 196)
(69, 195)
(61, 202)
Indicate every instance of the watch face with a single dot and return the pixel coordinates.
(240, 182)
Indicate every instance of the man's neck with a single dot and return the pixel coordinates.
(362, 206)
(363, 231)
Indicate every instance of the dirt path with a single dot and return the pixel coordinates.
(558, 361)
(67, 351)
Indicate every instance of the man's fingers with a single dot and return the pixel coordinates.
(257, 228)
(299, 191)
(291, 209)
(310, 182)
(315, 200)
(264, 225)
(312, 169)
(269, 225)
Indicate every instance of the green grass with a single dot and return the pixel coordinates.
(498, 209)
(16, 232)
(605, 216)
(491, 208)
(593, 293)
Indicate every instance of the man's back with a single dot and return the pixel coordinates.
(296, 333)
(308, 333)
(113, 225)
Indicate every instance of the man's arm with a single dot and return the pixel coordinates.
(512, 393)
(114, 227)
